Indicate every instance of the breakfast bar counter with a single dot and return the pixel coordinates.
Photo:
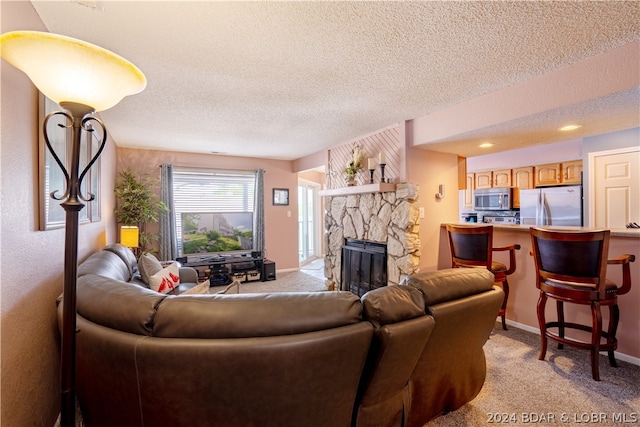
(521, 308)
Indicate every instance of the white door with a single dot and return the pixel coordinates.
(308, 221)
(615, 187)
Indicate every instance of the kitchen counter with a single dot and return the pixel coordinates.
(615, 232)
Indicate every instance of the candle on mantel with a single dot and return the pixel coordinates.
(382, 159)
(371, 163)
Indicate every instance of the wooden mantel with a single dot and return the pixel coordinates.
(359, 189)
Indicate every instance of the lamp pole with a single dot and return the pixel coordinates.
(82, 78)
(79, 117)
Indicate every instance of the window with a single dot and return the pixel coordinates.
(211, 191)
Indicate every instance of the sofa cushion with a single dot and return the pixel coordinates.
(116, 304)
(106, 264)
(126, 255)
(254, 315)
(391, 304)
(165, 280)
(450, 284)
(148, 265)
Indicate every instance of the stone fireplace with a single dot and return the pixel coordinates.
(384, 213)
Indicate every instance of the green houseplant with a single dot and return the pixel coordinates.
(138, 204)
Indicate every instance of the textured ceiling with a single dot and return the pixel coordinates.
(286, 79)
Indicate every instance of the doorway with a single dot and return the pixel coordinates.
(308, 221)
(614, 196)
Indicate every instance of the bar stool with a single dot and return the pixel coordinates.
(472, 246)
(571, 267)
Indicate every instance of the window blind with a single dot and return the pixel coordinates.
(203, 190)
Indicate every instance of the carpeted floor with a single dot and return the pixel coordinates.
(291, 281)
(522, 390)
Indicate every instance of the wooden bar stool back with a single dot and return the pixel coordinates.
(472, 246)
(571, 267)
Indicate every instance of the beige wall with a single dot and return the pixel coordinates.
(31, 261)
(430, 169)
(281, 234)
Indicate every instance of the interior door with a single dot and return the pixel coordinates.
(615, 189)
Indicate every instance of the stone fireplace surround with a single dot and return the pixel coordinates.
(388, 216)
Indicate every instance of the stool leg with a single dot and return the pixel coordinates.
(596, 333)
(560, 311)
(542, 302)
(614, 317)
(503, 309)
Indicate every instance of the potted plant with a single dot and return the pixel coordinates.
(137, 204)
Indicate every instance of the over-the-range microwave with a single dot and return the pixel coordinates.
(493, 199)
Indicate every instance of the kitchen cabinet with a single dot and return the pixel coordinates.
(558, 173)
(502, 178)
(522, 180)
(483, 179)
(572, 172)
(468, 191)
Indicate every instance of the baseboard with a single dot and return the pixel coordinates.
(619, 356)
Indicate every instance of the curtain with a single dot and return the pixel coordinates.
(168, 243)
(258, 214)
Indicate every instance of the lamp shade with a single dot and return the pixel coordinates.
(129, 236)
(70, 70)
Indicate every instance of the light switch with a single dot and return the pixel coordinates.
(289, 214)
(421, 212)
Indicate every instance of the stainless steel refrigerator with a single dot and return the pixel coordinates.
(551, 206)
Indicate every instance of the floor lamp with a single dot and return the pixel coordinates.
(82, 78)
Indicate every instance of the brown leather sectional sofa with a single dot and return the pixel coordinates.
(399, 357)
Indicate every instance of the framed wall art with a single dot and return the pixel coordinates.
(281, 197)
(52, 179)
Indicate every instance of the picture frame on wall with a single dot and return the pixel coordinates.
(52, 179)
(281, 197)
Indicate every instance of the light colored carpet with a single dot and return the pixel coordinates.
(291, 281)
(522, 390)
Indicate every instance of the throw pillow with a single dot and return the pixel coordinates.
(148, 265)
(200, 288)
(166, 279)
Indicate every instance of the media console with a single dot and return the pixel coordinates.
(223, 269)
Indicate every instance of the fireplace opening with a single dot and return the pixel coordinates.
(363, 266)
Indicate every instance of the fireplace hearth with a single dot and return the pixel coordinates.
(364, 266)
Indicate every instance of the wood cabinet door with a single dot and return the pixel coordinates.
(548, 174)
(484, 180)
(468, 191)
(571, 172)
(502, 178)
(522, 180)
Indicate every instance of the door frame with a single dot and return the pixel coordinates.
(318, 219)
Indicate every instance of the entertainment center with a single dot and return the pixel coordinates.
(223, 269)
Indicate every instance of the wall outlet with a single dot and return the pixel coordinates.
(421, 212)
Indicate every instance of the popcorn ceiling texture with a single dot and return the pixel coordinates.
(287, 79)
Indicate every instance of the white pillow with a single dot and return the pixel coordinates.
(200, 288)
(148, 265)
(165, 280)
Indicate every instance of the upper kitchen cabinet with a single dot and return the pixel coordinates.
(468, 191)
(484, 180)
(522, 180)
(558, 173)
(572, 172)
(502, 178)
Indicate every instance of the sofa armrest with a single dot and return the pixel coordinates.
(188, 275)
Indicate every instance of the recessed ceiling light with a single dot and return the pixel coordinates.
(569, 127)
(486, 145)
